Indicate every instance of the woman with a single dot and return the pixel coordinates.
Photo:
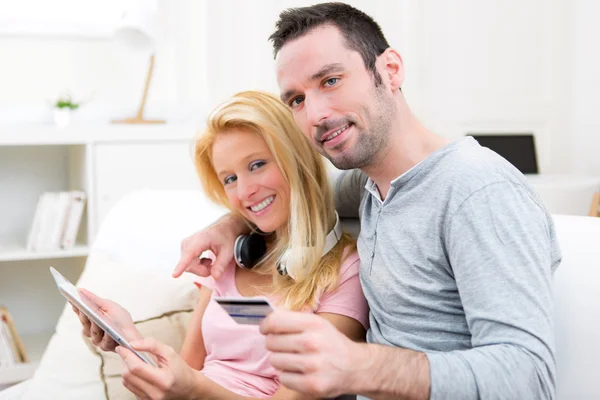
(253, 159)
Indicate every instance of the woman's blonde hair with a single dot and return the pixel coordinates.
(311, 202)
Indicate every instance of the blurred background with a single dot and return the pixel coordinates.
(493, 65)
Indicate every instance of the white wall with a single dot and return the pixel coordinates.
(585, 106)
(110, 77)
(487, 66)
(240, 55)
(497, 66)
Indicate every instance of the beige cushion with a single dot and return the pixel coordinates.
(68, 369)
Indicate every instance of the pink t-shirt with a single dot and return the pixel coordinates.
(236, 355)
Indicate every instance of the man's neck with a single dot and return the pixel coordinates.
(409, 144)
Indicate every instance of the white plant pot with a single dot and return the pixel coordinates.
(62, 117)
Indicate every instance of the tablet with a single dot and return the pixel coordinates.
(95, 314)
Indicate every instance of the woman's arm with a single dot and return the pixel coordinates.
(211, 390)
(193, 351)
(348, 326)
(174, 378)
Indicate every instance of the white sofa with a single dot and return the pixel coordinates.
(146, 228)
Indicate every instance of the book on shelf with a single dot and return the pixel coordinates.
(12, 351)
(56, 221)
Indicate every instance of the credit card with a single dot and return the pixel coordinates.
(246, 310)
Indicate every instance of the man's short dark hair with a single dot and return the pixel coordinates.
(360, 31)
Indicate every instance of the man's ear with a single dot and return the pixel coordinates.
(393, 68)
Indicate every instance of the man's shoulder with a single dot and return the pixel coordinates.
(472, 167)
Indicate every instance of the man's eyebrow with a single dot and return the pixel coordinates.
(287, 95)
(324, 71)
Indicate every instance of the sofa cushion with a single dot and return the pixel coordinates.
(577, 308)
(147, 226)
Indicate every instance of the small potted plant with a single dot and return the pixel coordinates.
(63, 108)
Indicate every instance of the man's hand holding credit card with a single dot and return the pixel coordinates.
(246, 310)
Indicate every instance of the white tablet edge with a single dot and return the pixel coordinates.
(66, 288)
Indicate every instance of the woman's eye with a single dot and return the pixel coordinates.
(331, 81)
(256, 165)
(229, 179)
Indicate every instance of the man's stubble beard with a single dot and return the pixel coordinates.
(370, 146)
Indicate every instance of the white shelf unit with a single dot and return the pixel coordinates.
(19, 253)
(27, 171)
(35, 345)
(106, 162)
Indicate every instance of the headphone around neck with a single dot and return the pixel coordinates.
(248, 250)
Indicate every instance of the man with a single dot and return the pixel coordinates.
(457, 252)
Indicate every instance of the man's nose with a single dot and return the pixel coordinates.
(317, 109)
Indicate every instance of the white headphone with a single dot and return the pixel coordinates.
(333, 237)
(249, 249)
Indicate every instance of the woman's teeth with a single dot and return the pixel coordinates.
(260, 206)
